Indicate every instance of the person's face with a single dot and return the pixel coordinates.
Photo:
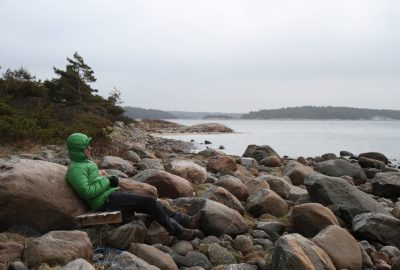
(86, 152)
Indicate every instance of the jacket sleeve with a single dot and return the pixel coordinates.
(78, 179)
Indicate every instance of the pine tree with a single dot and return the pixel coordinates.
(72, 87)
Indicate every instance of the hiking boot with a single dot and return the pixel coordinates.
(187, 221)
(190, 234)
(195, 220)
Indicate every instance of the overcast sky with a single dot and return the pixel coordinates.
(215, 55)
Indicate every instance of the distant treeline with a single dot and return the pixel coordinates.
(218, 116)
(323, 113)
(140, 113)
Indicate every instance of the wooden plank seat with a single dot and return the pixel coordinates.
(100, 218)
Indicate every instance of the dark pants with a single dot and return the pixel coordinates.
(119, 200)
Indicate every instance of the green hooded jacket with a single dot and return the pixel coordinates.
(83, 174)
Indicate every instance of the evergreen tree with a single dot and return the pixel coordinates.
(72, 87)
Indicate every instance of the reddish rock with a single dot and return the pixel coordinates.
(271, 161)
(153, 256)
(234, 186)
(188, 170)
(137, 187)
(310, 218)
(256, 184)
(266, 201)
(296, 172)
(167, 184)
(341, 247)
(378, 256)
(224, 164)
(58, 248)
(295, 252)
(34, 193)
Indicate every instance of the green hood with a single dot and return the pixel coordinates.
(76, 143)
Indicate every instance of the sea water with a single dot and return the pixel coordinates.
(308, 138)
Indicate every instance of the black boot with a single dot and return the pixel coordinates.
(187, 221)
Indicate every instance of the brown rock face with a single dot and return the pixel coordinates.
(188, 170)
(278, 184)
(256, 184)
(296, 172)
(137, 187)
(167, 184)
(271, 161)
(234, 186)
(266, 201)
(10, 252)
(153, 256)
(218, 219)
(310, 218)
(221, 195)
(375, 155)
(294, 252)
(34, 193)
(222, 164)
(371, 163)
(58, 248)
(341, 247)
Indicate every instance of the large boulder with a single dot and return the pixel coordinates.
(310, 218)
(150, 163)
(295, 252)
(296, 172)
(127, 260)
(58, 248)
(371, 163)
(341, 167)
(224, 164)
(266, 201)
(278, 184)
(137, 187)
(153, 256)
(188, 170)
(167, 184)
(221, 195)
(375, 155)
(271, 161)
(121, 237)
(117, 163)
(386, 184)
(218, 219)
(378, 227)
(255, 184)
(208, 127)
(336, 191)
(234, 186)
(341, 247)
(259, 152)
(34, 193)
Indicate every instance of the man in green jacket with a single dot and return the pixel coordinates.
(102, 193)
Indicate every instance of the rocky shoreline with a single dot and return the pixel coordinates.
(262, 210)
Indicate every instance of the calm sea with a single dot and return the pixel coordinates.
(296, 138)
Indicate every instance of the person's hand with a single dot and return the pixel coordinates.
(114, 181)
(102, 173)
